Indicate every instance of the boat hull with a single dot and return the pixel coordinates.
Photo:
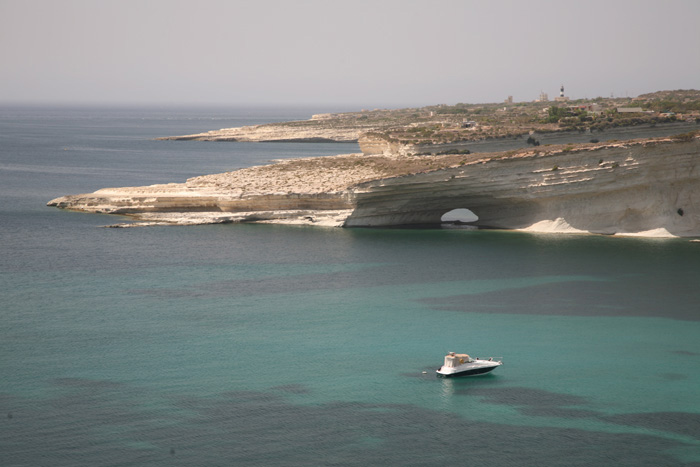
(473, 371)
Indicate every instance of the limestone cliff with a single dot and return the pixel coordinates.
(314, 190)
(633, 187)
(623, 188)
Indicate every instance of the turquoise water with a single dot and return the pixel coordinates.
(288, 345)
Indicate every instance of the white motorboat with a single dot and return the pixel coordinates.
(461, 364)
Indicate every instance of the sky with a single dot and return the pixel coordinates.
(353, 53)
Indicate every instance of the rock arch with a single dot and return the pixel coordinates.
(459, 216)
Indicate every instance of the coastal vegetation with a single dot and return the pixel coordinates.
(443, 124)
(680, 101)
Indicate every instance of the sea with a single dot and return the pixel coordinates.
(263, 345)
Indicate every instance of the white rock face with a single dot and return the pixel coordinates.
(649, 187)
(629, 188)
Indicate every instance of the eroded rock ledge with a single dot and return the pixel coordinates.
(637, 187)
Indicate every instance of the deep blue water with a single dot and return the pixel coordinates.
(289, 345)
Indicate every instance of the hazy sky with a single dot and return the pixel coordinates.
(356, 53)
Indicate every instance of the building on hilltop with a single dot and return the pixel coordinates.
(591, 109)
(629, 110)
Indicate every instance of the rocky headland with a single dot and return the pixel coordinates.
(341, 128)
(609, 166)
(648, 186)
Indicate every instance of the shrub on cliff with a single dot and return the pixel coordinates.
(554, 114)
(685, 137)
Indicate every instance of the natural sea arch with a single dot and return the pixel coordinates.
(460, 215)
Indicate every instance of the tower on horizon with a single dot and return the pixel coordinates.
(562, 97)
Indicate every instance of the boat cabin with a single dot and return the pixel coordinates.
(453, 360)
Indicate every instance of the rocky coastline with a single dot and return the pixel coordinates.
(645, 187)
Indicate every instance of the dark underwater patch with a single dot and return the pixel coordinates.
(262, 428)
(683, 423)
(685, 352)
(537, 402)
(591, 299)
(673, 376)
(374, 276)
(293, 389)
(534, 402)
